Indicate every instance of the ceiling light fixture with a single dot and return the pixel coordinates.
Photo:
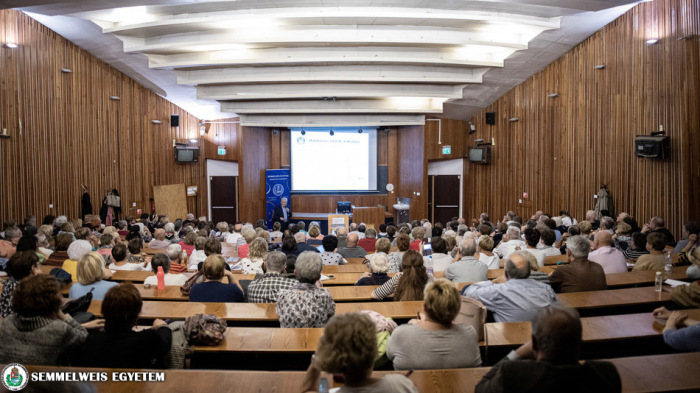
(513, 119)
(11, 45)
(553, 95)
(652, 41)
(599, 67)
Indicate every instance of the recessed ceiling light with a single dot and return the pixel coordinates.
(652, 41)
(11, 45)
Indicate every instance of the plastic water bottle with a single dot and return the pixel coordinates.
(161, 277)
(658, 282)
(669, 265)
(429, 266)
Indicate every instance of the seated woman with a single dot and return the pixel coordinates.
(348, 347)
(403, 242)
(119, 262)
(656, 259)
(213, 289)
(162, 260)
(407, 285)
(622, 238)
(433, 341)
(60, 254)
(30, 243)
(76, 251)
(118, 345)
(378, 265)
(38, 333)
(305, 305)
(257, 253)
(638, 246)
(330, 256)
(187, 243)
(90, 273)
(314, 237)
(289, 246)
(486, 254)
(198, 256)
(135, 247)
(22, 265)
(107, 242)
(680, 332)
(532, 239)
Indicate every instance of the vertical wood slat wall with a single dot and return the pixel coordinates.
(563, 149)
(72, 133)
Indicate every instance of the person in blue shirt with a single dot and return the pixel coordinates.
(213, 289)
(90, 277)
(680, 333)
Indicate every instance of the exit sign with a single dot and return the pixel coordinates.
(221, 150)
(447, 149)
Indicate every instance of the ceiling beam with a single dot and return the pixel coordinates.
(334, 73)
(318, 90)
(332, 120)
(385, 105)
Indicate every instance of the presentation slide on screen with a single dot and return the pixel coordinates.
(344, 161)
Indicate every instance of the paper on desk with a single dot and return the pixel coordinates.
(324, 277)
(232, 259)
(675, 283)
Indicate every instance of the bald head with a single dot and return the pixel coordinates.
(603, 239)
(341, 232)
(517, 267)
(353, 239)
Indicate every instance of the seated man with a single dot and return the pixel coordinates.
(439, 256)
(467, 269)
(302, 246)
(159, 242)
(519, 298)
(549, 361)
(351, 250)
(580, 274)
(266, 288)
(510, 241)
(236, 235)
(342, 235)
(368, 242)
(656, 225)
(610, 258)
(656, 259)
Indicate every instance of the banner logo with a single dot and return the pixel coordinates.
(301, 140)
(14, 377)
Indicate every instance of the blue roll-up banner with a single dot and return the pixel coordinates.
(277, 186)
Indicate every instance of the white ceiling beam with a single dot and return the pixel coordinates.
(318, 90)
(322, 35)
(385, 105)
(334, 73)
(345, 55)
(332, 120)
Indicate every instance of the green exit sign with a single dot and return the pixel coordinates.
(222, 150)
(447, 149)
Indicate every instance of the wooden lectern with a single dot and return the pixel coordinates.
(336, 221)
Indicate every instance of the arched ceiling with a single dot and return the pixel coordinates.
(326, 62)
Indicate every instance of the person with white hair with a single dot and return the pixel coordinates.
(76, 250)
(8, 246)
(302, 245)
(580, 274)
(306, 305)
(378, 265)
(468, 268)
(266, 288)
(511, 241)
(174, 253)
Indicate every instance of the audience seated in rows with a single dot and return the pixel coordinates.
(162, 260)
(403, 243)
(266, 288)
(253, 262)
(119, 261)
(485, 253)
(330, 255)
(511, 241)
(367, 243)
(580, 274)
(638, 246)
(378, 266)
(440, 259)
(351, 250)
(302, 246)
(20, 266)
(159, 242)
(656, 259)
(198, 255)
(657, 225)
(8, 245)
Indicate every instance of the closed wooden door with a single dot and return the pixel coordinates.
(224, 198)
(443, 197)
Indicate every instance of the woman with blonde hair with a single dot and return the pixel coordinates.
(348, 347)
(90, 277)
(432, 341)
(257, 253)
(407, 285)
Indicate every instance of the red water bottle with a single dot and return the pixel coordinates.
(161, 277)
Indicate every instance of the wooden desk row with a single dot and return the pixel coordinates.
(285, 340)
(638, 374)
(595, 300)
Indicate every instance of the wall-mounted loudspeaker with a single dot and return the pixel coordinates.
(174, 120)
(491, 118)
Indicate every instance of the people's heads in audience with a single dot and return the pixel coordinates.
(656, 242)
(42, 240)
(690, 228)
(418, 233)
(211, 247)
(382, 245)
(527, 255)
(214, 268)
(289, 243)
(27, 243)
(590, 216)
(577, 247)
(121, 307)
(190, 238)
(308, 267)
(38, 295)
(257, 249)
(379, 263)
(513, 233)
(362, 228)
(517, 266)
(341, 232)
(467, 248)
(532, 237)
(547, 236)
(174, 252)
(348, 347)
(370, 233)
(585, 227)
(78, 248)
(48, 220)
(248, 234)
(439, 245)
(607, 223)
(450, 244)
(199, 243)
(382, 228)
(602, 239)
(485, 243)
(22, 264)
(403, 242)
(275, 262)
(391, 231)
(119, 253)
(656, 222)
(314, 232)
(623, 229)
(639, 241)
(276, 226)
(441, 302)
(556, 335)
(413, 278)
(106, 240)
(485, 229)
(352, 240)
(13, 234)
(90, 268)
(330, 243)
(160, 260)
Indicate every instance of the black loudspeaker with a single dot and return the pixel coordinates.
(491, 118)
(174, 120)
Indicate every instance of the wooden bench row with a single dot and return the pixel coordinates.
(674, 372)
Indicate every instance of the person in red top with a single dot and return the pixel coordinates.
(187, 243)
(368, 242)
(417, 233)
(249, 236)
(177, 265)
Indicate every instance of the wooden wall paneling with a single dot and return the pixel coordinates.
(223, 132)
(71, 132)
(413, 170)
(255, 152)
